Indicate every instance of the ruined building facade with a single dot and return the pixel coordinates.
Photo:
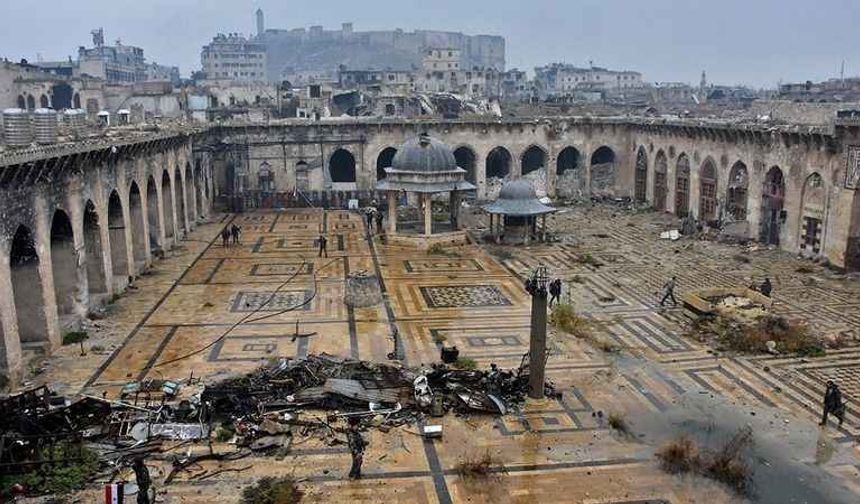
(80, 221)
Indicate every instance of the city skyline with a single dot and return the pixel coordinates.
(740, 43)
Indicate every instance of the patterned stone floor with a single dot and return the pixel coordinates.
(197, 314)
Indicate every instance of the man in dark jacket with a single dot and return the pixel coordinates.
(141, 475)
(357, 444)
(833, 403)
(554, 291)
(669, 292)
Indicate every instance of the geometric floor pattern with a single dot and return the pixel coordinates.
(554, 450)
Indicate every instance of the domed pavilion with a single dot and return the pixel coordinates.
(517, 210)
(424, 166)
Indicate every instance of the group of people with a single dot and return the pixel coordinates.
(374, 215)
(233, 232)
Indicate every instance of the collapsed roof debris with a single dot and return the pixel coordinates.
(261, 411)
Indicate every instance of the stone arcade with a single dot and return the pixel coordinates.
(81, 220)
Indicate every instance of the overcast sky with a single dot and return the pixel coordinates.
(755, 42)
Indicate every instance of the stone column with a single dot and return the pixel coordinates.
(428, 213)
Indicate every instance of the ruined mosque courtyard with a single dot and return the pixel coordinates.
(555, 450)
(235, 303)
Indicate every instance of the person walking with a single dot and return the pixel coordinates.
(379, 218)
(225, 237)
(766, 287)
(554, 291)
(141, 476)
(833, 403)
(369, 216)
(236, 231)
(669, 292)
(323, 244)
(357, 444)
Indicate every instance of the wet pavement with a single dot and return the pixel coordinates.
(198, 313)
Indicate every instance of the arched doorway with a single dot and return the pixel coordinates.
(64, 264)
(640, 185)
(76, 102)
(498, 164)
(138, 227)
(661, 188)
(568, 159)
(773, 200)
(27, 287)
(342, 167)
(152, 213)
(167, 204)
(812, 212)
(31, 103)
(736, 198)
(118, 246)
(62, 94)
(383, 161)
(22, 102)
(179, 197)
(199, 190)
(603, 172)
(94, 254)
(465, 158)
(534, 158)
(682, 186)
(708, 191)
(43, 102)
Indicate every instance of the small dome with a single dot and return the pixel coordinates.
(519, 189)
(424, 154)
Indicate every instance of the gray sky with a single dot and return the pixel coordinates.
(756, 42)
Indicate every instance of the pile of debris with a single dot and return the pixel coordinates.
(257, 411)
(359, 388)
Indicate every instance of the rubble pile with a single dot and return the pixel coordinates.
(261, 411)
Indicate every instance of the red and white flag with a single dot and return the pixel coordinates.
(114, 493)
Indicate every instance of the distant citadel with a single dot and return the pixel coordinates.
(317, 52)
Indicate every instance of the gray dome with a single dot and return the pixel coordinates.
(424, 154)
(519, 189)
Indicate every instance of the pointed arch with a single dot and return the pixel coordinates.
(118, 245)
(737, 192)
(661, 186)
(812, 211)
(773, 201)
(534, 158)
(179, 199)
(152, 214)
(708, 191)
(568, 159)
(640, 193)
(27, 287)
(167, 205)
(383, 161)
(95, 258)
(603, 171)
(342, 166)
(466, 158)
(138, 226)
(63, 263)
(682, 186)
(498, 163)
